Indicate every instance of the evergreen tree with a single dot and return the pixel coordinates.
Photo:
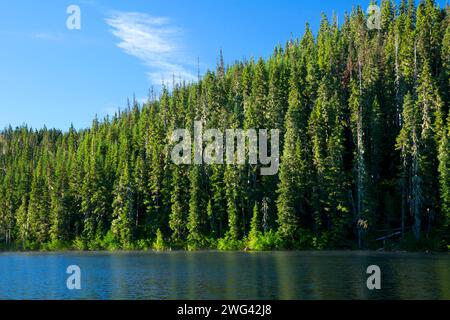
(122, 224)
(327, 135)
(363, 117)
(408, 143)
(196, 220)
(293, 202)
(39, 206)
(444, 177)
(178, 215)
(255, 229)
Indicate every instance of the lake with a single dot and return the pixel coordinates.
(224, 275)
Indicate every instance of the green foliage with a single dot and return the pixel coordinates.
(364, 130)
(95, 244)
(229, 242)
(295, 174)
(444, 176)
(122, 226)
(55, 245)
(196, 220)
(270, 240)
(79, 244)
(109, 242)
(177, 220)
(159, 244)
(143, 244)
(255, 233)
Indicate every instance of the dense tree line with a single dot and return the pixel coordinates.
(365, 123)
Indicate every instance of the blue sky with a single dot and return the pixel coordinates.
(53, 76)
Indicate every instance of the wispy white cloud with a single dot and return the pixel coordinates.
(153, 40)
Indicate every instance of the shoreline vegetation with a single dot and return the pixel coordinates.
(245, 245)
(245, 250)
(364, 123)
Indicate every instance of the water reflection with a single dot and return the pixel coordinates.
(225, 275)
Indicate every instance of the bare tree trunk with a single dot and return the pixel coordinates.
(360, 159)
(416, 189)
(397, 85)
(404, 199)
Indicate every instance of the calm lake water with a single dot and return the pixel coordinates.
(224, 275)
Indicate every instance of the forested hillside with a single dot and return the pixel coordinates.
(364, 121)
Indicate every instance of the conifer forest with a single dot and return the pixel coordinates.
(364, 123)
